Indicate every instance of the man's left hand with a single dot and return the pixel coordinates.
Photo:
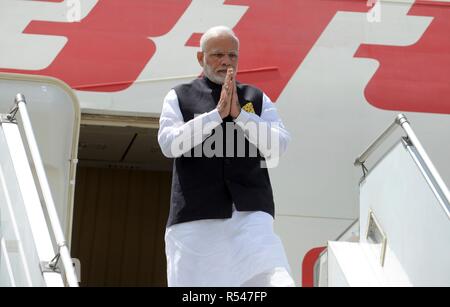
(235, 106)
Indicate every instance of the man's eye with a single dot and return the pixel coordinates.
(232, 56)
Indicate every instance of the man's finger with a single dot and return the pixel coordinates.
(229, 74)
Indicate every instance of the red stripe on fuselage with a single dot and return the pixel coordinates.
(414, 78)
(111, 44)
(280, 34)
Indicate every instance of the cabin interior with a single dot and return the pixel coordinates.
(121, 205)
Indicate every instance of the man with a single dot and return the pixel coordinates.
(220, 226)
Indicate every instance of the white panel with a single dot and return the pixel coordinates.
(349, 265)
(336, 275)
(54, 114)
(416, 226)
(15, 228)
(6, 272)
(23, 225)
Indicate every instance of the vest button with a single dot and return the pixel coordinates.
(227, 162)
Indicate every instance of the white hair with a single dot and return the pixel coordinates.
(215, 32)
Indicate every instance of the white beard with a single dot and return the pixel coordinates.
(209, 73)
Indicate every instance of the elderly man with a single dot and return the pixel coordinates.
(220, 226)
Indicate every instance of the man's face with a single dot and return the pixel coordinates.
(221, 52)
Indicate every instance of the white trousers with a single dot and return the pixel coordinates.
(277, 277)
(240, 251)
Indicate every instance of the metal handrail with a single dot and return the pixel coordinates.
(372, 147)
(63, 250)
(439, 188)
(347, 229)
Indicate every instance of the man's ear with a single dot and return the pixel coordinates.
(200, 55)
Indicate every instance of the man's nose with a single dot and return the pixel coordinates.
(226, 60)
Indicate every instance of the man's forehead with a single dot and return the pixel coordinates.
(223, 50)
(219, 41)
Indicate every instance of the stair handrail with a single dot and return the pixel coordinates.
(55, 225)
(434, 179)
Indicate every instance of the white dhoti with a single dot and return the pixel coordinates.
(240, 251)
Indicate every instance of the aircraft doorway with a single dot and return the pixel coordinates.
(121, 205)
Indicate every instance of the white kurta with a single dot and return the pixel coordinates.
(222, 252)
(172, 126)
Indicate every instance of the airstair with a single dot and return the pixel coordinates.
(37, 168)
(402, 237)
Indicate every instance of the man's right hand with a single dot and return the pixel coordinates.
(226, 96)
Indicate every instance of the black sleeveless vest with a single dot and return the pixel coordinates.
(206, 187)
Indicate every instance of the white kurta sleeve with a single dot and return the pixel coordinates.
(173, 131)
(269, 127)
